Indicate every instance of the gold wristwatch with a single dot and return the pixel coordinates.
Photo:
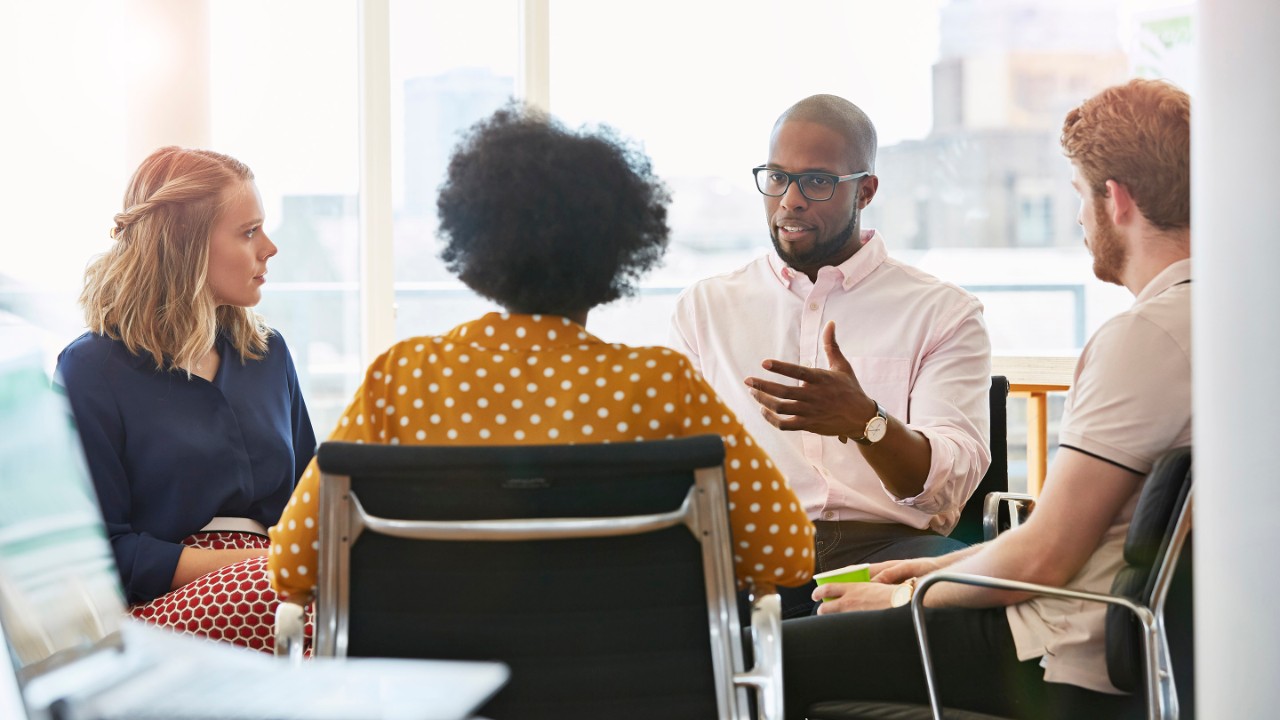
(903, 593)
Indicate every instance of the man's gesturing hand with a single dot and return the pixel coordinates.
(826, 402)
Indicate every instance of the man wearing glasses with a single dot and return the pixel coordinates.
(883, 369)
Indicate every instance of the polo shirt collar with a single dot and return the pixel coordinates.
(1177, 273)
(861, 264)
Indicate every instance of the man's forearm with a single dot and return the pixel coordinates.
(1002, 558)
(902, 459)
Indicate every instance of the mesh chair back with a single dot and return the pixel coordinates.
(591, 627)
(969, 527)
(1146, 547)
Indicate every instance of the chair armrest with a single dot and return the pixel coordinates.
(766, 645)
(1020, 506)
(1161, 699)
(290, 618)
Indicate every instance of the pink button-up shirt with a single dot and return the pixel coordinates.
(918, 346)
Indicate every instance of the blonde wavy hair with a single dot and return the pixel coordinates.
(150, 290)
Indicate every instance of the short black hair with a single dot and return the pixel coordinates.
(542, 219)
(845, 118)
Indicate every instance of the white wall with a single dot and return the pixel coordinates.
(1236, 320)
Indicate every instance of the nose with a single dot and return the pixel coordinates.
(270, 248)
(793, 198)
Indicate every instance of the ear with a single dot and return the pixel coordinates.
(1120, 204)
(867, 190)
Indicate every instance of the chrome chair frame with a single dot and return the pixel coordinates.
(1020, 505)
(704, 512)
(1160, 691)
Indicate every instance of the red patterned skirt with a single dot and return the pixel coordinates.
(233, 604)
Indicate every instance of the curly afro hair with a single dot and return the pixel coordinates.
(542, 219)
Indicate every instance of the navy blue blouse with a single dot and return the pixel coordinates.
(168, 454)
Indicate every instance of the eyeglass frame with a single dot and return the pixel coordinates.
(795, 178)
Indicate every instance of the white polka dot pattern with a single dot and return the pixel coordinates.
(647, 393)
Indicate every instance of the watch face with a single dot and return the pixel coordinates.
(901, 595)
(877, 428)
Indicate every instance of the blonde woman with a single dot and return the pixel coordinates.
(187, 403)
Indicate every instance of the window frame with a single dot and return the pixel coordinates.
(377, 271)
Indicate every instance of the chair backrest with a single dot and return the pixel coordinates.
(969, 527)
(1159, 526)
(600, 573)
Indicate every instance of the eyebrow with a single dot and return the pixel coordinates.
(824, 171)
(251, 223)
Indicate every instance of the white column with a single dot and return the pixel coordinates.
(534, 80)
(377, 273)
(1236, 350)
(164, 51)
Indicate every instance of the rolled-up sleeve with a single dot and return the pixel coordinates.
(949, 405)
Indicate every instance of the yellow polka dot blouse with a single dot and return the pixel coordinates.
(512, 379)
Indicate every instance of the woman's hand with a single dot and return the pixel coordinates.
(853, 596)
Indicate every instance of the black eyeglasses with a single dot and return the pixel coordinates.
(815, 186)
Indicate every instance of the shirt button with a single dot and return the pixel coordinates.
(828, 515)
(813, 306)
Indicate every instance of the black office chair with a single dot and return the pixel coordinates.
(1149, 638)
(969, 528)
(601, 574)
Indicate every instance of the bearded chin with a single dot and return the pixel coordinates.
(1109, 254)
(1105, 271)
(819, 253)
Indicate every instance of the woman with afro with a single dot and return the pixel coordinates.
(550, 223)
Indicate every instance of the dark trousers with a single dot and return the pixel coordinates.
(873, 656)
(837, 544)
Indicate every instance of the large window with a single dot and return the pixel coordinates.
(968, 99)
(700, 85)
(283, 98)
(451, 65)
(64, 144)
(967, 95)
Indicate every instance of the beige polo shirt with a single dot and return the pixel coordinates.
(1129, 403)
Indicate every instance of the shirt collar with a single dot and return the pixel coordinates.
(859, 265)
(515, 331)
(1176, 273)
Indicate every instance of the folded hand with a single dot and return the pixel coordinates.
(897, 571)
(853, 596)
